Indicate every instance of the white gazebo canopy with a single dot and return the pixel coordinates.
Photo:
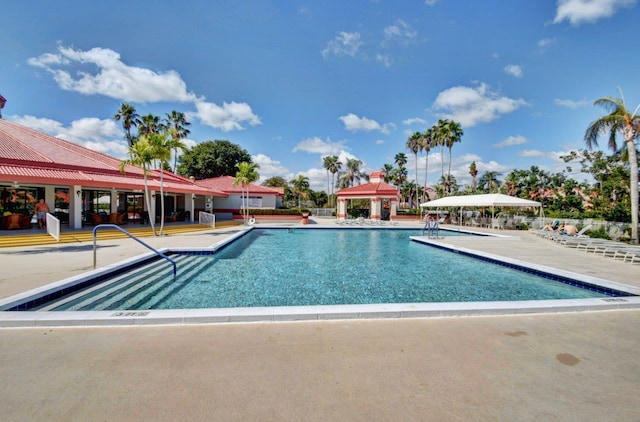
(485, 200)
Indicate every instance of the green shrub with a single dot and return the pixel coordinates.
(599, 233)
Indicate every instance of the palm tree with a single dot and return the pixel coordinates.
(149, 124)
(628, 124)
(177, 123)
(300, 186)
(245, 175)
(440, 139)
(142, 154)
(455, 133)
(427, 142)
(332, 165)
(163, 143)
(335, 168)
(354, 174)
(129, 117)
(489, 181)
(413, 144)
(473, 171)
(387, 169)
(400, 159)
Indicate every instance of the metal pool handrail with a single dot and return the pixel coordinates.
(157, 252)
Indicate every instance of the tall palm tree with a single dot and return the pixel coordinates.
(413, 144)
(142, 154)
(335, 168)
(455, 133)
(354, 174)
(620, 120)
(177, 122)
(489, 181)
(440, 139)
(149, 124)
(129, 117)
(428, 140)
(473, 171)
(245, 175)
(163, 143)
(331, 165)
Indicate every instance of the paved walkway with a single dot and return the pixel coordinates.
(574, 366)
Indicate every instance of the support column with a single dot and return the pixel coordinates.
(75, 207)
(394, 207)
(376, 208)
(342, 208)
(189, 205)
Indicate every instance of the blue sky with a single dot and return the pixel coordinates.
(293, 81)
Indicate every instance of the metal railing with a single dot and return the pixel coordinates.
(206, 219)
(53, 226)
(157, 252)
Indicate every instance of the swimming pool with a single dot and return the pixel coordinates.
(323, 271)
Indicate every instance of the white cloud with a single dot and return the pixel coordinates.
(414, 120)
(470, 106)
(231, 116)
(93, 133)
(270, 167)
(571, 103)
(532, 153)
(399, 33)
(514, 70)
(588, 11)
(344, 44)
(380, 142)
(385, 59)
(318, 146)
(354, 123)
(430, 2)
(511, 141)
(100, 71)
(545, 43)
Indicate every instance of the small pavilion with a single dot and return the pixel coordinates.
(381, 194)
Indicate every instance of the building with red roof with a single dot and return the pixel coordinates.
(259, 196)
(76, 181)
(382, 195)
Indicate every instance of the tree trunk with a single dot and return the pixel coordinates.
(633, 167)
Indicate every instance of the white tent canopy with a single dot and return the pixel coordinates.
(485, 200)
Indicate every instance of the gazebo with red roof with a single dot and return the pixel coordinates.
(377, 190)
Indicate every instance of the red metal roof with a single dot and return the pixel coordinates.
(29, 156)
(225, 184)
(369, 190)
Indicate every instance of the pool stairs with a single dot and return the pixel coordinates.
(144, 288)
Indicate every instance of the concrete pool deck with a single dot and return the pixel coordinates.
(573, 366)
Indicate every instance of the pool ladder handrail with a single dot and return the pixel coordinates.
(430, 227)
(157, 252)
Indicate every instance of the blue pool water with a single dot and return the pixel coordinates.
(278, 267)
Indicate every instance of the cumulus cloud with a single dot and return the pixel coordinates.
(588, 11)
(514, 70)
(93, 133)
(100, 71)
(270, 167)
(511, 141)
(470, 106)
(571, 103)
(229, 116)
(318, 146)
(344, 44)
(544, 44)
(354, 123)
